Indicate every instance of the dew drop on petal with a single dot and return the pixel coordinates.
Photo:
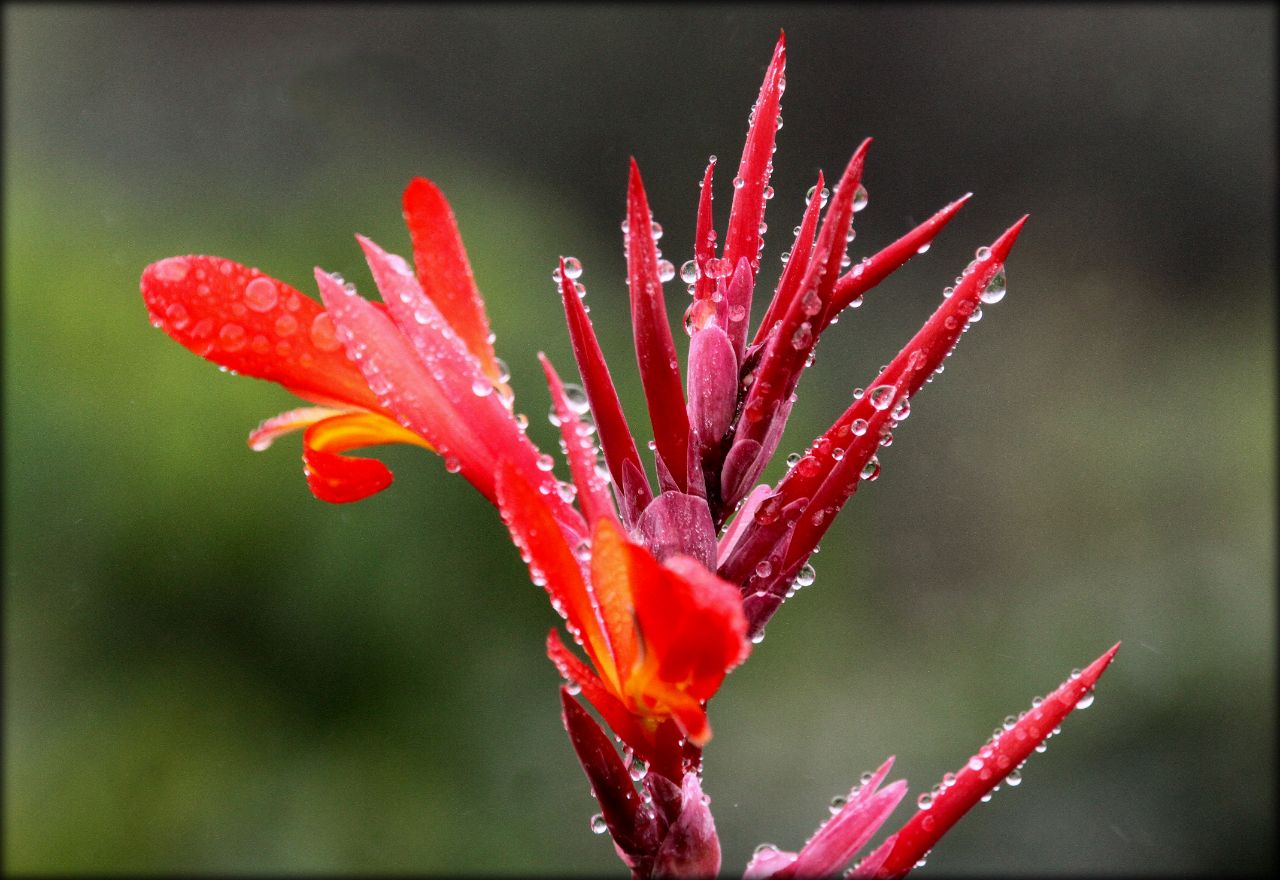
(232, 337)
(806, 575)
(598, 825)
(859, 198)
(324, 335)
(572, 268)
(995, 289)
(545, 462)
(261, 295)
(173, 269)
(881, 396)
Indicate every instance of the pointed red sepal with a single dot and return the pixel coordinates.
(634, 828)
(616, 440)
(704, 249)
(655, 349)
(444, 270)
(246, 321)
(797, 265)
(788, 347)
(743, 237)
(580, 449)
(874, 269)
(906, 374)
(985, 770)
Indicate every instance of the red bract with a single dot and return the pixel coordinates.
(661, 583)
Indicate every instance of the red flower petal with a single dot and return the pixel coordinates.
(655, 350)
(251, 323)
(444, 271)
(340, 479)
(985, 770)
(743, 237)
(620, 719)
(620, 453)
(553, 565)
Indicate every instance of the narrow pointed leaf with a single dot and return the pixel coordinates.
(704, 249)
(620, 453)
(631, 825)
(593, 493)
(743, 237)
(655, 349)
(985, 770)
(789, 346)
(874, 269)
(797, 265)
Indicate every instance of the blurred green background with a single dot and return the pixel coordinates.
(208, 670)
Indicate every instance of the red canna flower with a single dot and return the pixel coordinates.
(662, 585)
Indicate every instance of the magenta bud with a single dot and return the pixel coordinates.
(678, 524)
(691, 847)
(713, 383)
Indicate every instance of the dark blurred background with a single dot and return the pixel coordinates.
(208, 670)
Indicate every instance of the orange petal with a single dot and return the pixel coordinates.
(248, 322)
(552, 564)
(276, 427)
(338, 478)
(611, 578)
(444, 270)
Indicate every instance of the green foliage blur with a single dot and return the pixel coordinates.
(206, 670)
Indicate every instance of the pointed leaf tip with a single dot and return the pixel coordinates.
(992, 764)
(1001, 247)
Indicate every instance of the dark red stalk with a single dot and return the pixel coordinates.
(620, 453)
(655, 350)
(985, 770)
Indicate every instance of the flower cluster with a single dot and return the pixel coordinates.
(662, 587)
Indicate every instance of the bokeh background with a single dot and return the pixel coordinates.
(208, 670)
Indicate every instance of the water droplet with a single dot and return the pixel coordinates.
(689, 272)
(859, 198)
(481, 387)
(572, 268)
(870, 470)
(806, 575)
(173, 269)
(286, 325)
(176, 315)
(924, 248)
(858, 427)
(545, 462)
(995, 289)
(324, 335)
(982, 253)
(757, 638)
(452, 465)
(261, 295)
(638, 770)
(925, 800)
(739, 183)
(598, 825)
(232, 337)
(837, 804)
(1086, 701)
(666, 271)
(881, 397)
(655, 230)
(764, 568)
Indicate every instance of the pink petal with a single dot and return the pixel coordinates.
(704, 250)
(691, 847)
(985, 770)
